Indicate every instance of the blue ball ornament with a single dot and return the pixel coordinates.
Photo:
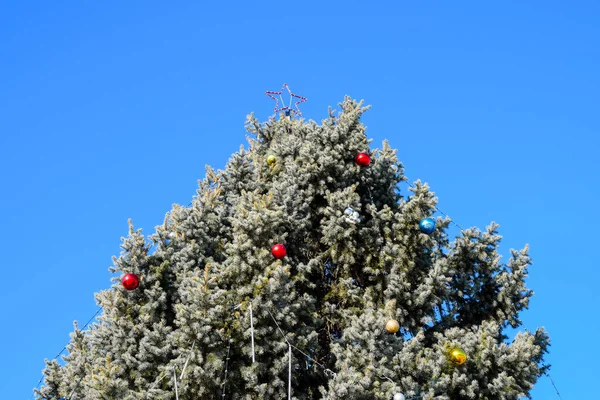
(427, 225)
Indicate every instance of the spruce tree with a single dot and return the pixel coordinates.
(356, 260)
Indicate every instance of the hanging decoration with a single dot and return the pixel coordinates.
(399, 396)
(278, 251)
(271, 160)
(392, 326)
(352, 216)
(130, 281)
(363, 159)
(252, 333)
(287, 109)
(175, 379)
(427, 225)
(289, 371)
(457, 356)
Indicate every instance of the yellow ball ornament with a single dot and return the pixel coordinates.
(392, 326)
(458, 356)
(271, 160)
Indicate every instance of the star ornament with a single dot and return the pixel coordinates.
(287, 109)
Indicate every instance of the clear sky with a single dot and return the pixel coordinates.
(111, 110)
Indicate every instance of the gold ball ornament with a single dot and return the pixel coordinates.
(271, 160)
(458, 356)
(392, 326)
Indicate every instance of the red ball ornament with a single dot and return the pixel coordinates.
(363, 159)
(130, 281)
(278, 251)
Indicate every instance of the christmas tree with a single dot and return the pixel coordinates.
(301, 270)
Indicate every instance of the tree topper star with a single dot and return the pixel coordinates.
(286, 109)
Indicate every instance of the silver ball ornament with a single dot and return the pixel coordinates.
(352, 216)
(399, 396)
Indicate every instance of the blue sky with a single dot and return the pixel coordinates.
(111, 110)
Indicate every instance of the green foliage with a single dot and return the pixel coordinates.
(331, 296)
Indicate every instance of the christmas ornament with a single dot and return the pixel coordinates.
(392, 326)
(399, 396)
(427, 225)
(352, 216)
(271, 160)
(458, 356)
(130, 281)
(278, 251)
(363, 159)
(287, 109)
